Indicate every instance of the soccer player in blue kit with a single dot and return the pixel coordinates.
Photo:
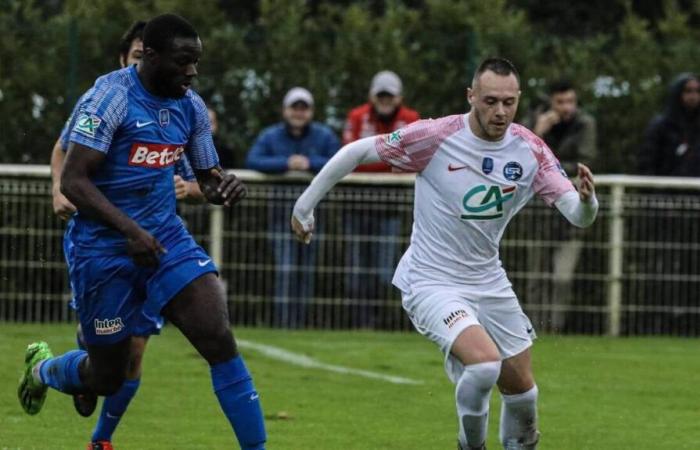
(133, 259)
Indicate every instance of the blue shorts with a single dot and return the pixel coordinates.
(116, 299)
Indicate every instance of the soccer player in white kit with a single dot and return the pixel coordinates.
(475, 171)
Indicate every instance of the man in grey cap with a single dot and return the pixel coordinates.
(297, 143)
(383, 113)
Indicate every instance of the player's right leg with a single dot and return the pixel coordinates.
(472, 360)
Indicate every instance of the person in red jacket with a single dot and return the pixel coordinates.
(383, 113)
(373, 241)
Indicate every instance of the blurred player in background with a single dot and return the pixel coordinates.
(475, 172)
(132, 258)
(114, 406)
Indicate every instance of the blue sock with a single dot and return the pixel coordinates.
(113, 408)
(61, 372)
(239, 400)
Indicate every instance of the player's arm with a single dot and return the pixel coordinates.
(62, 207)
(580, 208)
(81, 162)
(341, 164)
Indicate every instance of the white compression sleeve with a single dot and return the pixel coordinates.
(341, 164)
(577, 212)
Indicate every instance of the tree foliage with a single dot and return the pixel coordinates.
(621, 58)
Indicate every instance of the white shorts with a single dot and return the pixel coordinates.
(441, 313)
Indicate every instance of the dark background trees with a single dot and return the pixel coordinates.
(620, 53)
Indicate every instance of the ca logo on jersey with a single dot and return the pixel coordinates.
(485, 203)
(87, 124)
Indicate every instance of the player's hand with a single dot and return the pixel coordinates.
(227, 189)
(586, 186)
(298, 162)
(302, 234)
(62, 207)
(181, 191)
(143, 248)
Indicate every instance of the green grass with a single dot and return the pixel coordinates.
(595, 393)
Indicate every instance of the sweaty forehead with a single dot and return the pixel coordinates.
(492, 84)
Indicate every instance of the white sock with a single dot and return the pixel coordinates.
(519, 418)
(472, 393)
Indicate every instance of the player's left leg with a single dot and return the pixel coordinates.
(518, 430)
(201, 313)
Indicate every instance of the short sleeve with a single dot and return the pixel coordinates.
(98, 115)
(550, 181)
(410, 149)
(200, 147)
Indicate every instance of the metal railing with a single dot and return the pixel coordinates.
(635, 271)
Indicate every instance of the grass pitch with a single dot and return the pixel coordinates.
(595, 393)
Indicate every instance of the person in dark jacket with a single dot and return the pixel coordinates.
(297, 143)
(671, 147)
(672, 140)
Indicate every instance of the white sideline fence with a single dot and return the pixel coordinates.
(635, 271)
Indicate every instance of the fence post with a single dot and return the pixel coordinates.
(615, 243)
(216, 235)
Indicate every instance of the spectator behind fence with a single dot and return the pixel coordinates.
(571, 134)
(672, 140)
(228, 158)
(671, 147)
(295, 144)
(370, 264)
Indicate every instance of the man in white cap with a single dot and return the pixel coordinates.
(297, 143)
(383, 113)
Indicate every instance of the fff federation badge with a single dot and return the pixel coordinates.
(487, 165)
(513, 171)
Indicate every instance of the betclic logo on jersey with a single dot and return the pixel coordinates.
(156, 156)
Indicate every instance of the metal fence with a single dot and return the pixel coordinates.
(635, 271)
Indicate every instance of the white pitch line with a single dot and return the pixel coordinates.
(308, 362)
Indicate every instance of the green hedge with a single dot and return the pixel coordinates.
(50, 55)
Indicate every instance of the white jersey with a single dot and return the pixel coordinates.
(467, 190)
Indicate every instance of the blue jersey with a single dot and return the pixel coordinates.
(182, 166)
(142, 137)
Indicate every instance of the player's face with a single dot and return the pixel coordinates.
(175, 69)
(135, 54)
(690, 97)
(494, 100)
(298, 115)
(564, 104)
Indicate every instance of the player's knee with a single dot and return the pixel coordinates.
(481, 377)
(218, 346)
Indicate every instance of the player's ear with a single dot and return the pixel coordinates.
(470, 93)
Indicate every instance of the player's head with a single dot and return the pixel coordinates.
(298, 108)
(131, 44)
(385, 94)
(494, 96)
(562, 99)
(171, 51)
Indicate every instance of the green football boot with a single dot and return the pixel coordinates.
(31, 392)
